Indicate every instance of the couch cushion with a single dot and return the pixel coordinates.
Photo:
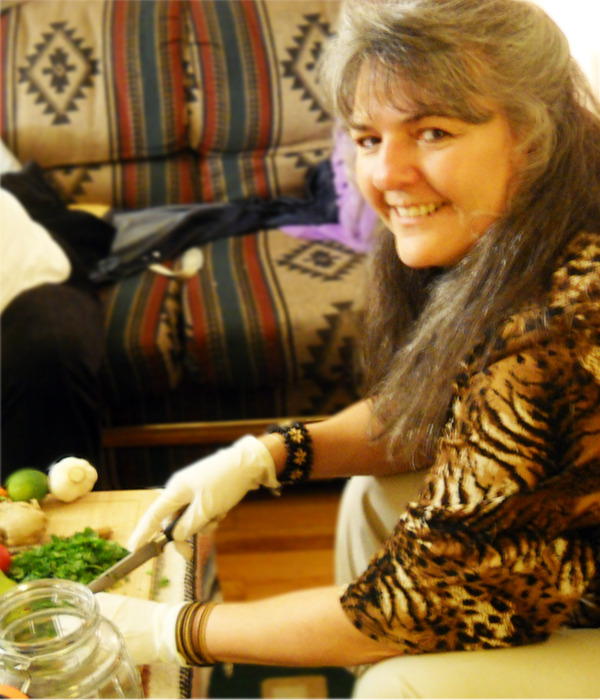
(148, 103)
(94, 82)
(143, 349)
(131, 184)
(257, 116)
(267, 311)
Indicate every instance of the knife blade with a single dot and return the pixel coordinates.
(131, 561)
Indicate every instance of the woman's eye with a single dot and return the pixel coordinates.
(434, 135)
(366, 142)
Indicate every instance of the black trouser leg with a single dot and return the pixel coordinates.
(52, 347)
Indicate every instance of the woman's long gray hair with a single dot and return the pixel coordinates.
(422, 325)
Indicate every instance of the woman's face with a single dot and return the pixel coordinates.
(436, 181)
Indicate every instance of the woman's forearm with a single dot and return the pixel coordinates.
(304, 628)
(343, 445)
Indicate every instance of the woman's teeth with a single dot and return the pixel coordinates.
(417, 210)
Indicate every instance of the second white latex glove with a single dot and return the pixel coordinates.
(148, 627)
(210, 488)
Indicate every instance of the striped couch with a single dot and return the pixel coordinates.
(141, 104)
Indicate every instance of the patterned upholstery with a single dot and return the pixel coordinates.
(146, 103)
(143, 344)
(267, 314)
(89, 87)
(138, 104)
(250, 314)
(257, 120)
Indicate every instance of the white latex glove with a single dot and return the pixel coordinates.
(210, 488)
(147, 627)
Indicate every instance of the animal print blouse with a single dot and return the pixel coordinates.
(503, 545)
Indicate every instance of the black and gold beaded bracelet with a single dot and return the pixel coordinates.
(298, 443)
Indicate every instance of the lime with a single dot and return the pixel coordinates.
(26, 484)
(5, 584)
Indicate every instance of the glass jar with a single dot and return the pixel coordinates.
(55, 644)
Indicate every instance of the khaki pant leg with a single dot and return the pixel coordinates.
(369, 510)
(565, 666)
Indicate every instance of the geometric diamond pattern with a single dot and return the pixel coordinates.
(71, 181)
(58, 70)
(327, 260)
(333, 365)
(304, 57)
(307, 158)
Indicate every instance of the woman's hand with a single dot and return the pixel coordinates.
(148, 628)
(209, 488)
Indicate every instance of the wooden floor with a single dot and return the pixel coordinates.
(268, 545)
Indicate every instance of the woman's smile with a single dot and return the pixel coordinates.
(415, 211)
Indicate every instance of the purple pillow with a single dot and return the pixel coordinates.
(356, 219)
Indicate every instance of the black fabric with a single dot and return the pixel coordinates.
(52, 346)
(198, 224)
(85, 238)
(52, 340)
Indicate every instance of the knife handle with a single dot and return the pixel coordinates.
(168, 531)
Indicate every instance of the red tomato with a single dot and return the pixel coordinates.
(4, 559)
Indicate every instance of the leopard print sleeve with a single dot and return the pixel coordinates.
(503, 546)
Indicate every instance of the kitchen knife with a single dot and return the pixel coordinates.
(132, 561)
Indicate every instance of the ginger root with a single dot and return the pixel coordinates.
(21, 523)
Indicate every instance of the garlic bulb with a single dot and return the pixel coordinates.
(70, 478)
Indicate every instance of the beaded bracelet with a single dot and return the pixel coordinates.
(298, 444)
(190, 633)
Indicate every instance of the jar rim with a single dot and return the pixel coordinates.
(36, 603)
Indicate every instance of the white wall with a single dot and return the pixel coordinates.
(580, 21)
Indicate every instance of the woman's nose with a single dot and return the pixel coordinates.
(395, 168)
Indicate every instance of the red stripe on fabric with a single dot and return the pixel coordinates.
(176, 67)
(263, 75)
(259, 170)
(206, 183)
(121, 77)
(265, 308)
(129, 177)
(209, 118)
(264, 88)
(199, 323)
(124, 116)
(207, 65)
(149, 322)
(152, 309)
(186, 188)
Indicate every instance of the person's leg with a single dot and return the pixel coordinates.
(369, 510)
(52, 347)
(565, 666)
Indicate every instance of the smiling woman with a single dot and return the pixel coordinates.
(479, 147)
(508, 150)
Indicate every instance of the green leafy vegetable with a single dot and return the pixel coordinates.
(82, 557)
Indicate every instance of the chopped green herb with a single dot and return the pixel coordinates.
(164, 582)
(82, 557)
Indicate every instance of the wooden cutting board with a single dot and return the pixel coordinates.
(118, 511)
